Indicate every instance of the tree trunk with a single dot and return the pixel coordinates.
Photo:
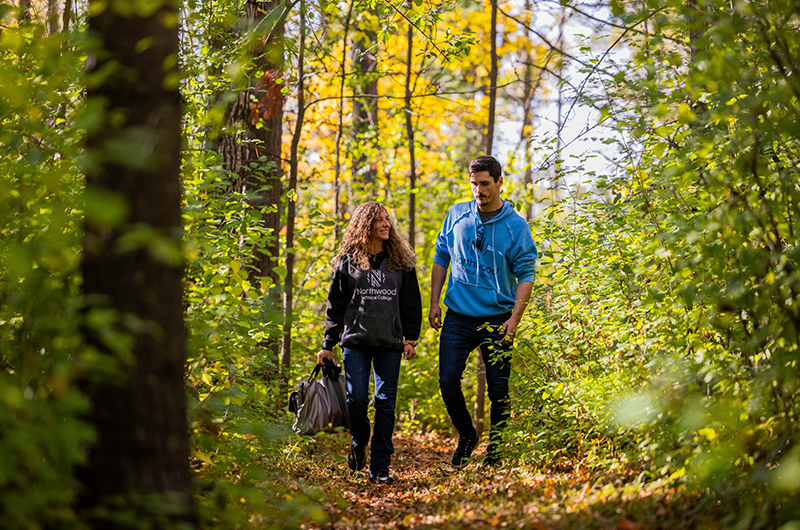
(254, 156)
(286, 345)
(525, 140)
(492, 81)
(479, 413)
(134, 296)
(52, 17)
(412, 161)
(480, 389)
(66, 17)
(556, 181)
(365, 106)
(338, 211)
(24, 14)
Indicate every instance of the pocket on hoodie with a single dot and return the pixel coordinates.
(373, 329)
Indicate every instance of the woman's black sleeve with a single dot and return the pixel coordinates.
(339, 296)
(410, 305)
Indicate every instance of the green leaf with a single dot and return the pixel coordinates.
(103, 208)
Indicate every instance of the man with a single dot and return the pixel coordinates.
(492, 255)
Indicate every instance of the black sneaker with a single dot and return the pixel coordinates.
(382, 477)
(357, 458)
(492, 459)
(466, 444)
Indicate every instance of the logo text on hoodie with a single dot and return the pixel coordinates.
(375, 277)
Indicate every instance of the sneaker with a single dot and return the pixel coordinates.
(381, 477)
(492, 459)
(466, 444)
(357, 458)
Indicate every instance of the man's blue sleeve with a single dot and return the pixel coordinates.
(524, 262)
(442, 256)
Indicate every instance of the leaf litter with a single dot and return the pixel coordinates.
(428, 493)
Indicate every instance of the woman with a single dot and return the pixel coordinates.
(374, 305)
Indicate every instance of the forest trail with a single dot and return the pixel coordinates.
(428, 493)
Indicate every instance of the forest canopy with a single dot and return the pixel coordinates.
(177, 176)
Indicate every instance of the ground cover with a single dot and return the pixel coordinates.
(430, 494)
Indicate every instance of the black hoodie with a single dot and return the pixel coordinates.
(372, 308)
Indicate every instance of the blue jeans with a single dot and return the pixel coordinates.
(358, 363)
(461, 334)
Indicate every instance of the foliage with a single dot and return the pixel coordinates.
(662, 337)
(681, 272)
(727, 190)
(587, 337)
(40, 351)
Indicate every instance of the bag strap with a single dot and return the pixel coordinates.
(329, 369)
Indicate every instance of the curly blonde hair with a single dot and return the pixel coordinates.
(357, 243)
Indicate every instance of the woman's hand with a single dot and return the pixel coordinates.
(324, 354)
(409, 352)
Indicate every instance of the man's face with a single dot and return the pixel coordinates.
(381, 226)
(485, 190)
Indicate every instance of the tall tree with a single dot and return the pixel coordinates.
(52, 17)
(66, 16)
(412, 160)
(24, 13)
(479, 412)
(527, 125)
(254, 153)
(560, 66)
(365, 102)
(288, 282)
(492, 80)
(132, 271)
(338, 211)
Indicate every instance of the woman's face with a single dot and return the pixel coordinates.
(380, 227)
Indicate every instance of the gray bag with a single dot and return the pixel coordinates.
(320, 404)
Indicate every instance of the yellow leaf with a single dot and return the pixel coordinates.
(678, 474)
(709, 433)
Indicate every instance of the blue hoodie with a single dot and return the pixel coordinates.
(486, 271)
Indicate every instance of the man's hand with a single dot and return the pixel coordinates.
(509, 330)
(438, 275)
(409, 352)
(510, 326)
(324, 354)
(435, 316)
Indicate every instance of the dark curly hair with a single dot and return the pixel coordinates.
(357, 243)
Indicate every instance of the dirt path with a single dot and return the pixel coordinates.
(428, 493)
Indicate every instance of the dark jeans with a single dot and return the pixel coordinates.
(358, 363)
(461, 334)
